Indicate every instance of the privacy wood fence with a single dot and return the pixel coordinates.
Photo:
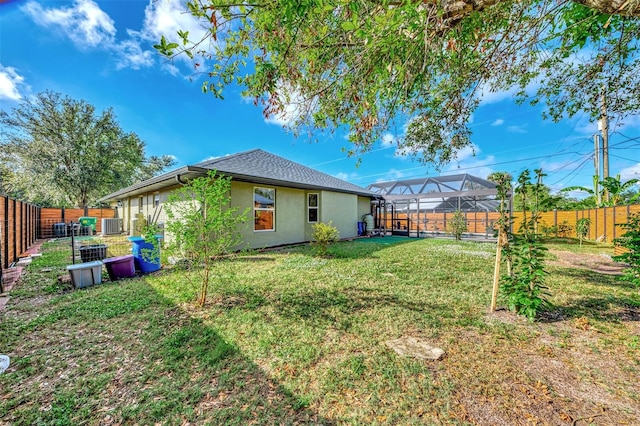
(603, 222)
(49, 218)
(21, 224)
(18, 228)
(559, 223)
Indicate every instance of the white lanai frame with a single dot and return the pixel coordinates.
(441, 194)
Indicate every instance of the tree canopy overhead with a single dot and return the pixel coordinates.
(362, 64)
(58, 151)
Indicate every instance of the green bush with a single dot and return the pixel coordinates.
(631, 241)
(582, 228)
(524, 286)
(457, 225)
(323, 235)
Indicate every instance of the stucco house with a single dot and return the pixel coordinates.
(285, 198)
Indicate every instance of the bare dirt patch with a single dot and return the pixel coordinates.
(600, 263)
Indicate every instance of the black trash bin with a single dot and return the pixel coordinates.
(93, 252)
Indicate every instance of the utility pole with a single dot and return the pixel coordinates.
(596, 165)
(604, 128)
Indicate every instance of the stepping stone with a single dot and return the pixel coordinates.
(415, 348)
(4, 363)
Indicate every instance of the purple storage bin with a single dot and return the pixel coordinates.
(120, 267)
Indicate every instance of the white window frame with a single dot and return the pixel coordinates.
(268, 209)
(316, 207)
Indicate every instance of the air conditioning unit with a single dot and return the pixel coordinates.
(111, 226)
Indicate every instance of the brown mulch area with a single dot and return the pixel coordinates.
(562, 373)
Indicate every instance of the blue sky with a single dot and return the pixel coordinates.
(101, 52)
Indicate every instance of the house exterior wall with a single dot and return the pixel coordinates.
(342, 210)
(291, 213)
(364, 207)
(131, 207)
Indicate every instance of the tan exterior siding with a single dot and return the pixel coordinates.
(291, 214)
(342, 210)
(364, 207)
(131, 207)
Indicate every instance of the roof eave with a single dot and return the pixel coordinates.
(156, 183)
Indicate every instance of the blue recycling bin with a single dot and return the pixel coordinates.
(142, 251)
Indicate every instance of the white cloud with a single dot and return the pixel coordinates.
(489, 96)
(498, 122)
(632, 172)
(467, 152)
(480, 167)
(388, 139)
(517, 129)
(392, 174)
(131, 55)
(166, 18)
(10, 83)
(84, 23)
(630, 122)
(89, 27)
(346, 176)
(294, 106)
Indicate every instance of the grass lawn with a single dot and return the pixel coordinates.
(289, 338)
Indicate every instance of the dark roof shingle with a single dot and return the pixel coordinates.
(252, 166)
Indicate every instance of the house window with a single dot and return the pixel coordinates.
(156, 200)
(312, 208)
(140, 203)
(264, 209)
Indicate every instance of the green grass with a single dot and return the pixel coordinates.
(290, 338)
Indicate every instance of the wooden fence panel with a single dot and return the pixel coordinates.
(49, 217)
(604, 222)
(18, 229)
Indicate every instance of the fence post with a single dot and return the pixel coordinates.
(604, 216)
(15, 229)
(6, 231)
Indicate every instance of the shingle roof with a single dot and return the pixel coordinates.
(251, 166)
(264, 165)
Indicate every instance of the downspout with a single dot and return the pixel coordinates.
(179, 180)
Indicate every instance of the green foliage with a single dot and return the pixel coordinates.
(152, 234)
(363, 65)
(559, 230)
(631, 241)
(582, 228)
(57, 151)
(523, 285)
(324, 234)
(457, 225)
(202, 227)
(611, 191)
(524, 289)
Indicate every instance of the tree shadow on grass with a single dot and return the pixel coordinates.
(324, 306)
(593, 277)
(220, 384)
(605, 308)
(122, 353)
